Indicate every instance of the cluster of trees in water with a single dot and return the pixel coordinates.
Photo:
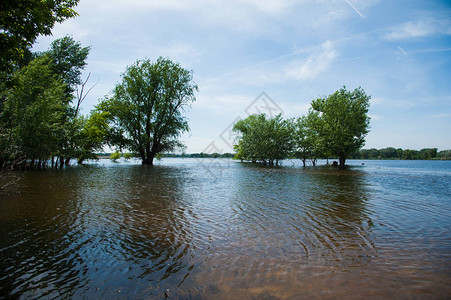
(41, 96)
(41, 93)
(335, 126)
(40, 120)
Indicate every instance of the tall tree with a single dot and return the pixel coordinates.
(22, 21)
(34, 112)
(45, 84)
(68, 60)
(146, 109)
(344, 121)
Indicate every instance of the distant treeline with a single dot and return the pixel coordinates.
(201, 155)
(173, 155)
(405, 154)
(385, 153)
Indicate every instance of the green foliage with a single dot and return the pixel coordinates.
(392, 153)
(445, 154)
(335, 125)
(37, 121)
(127, 155)
(343, 122)
(146, 109)
(68, 60)
(22, 21)
(92, 136)
(115, 156)
(264, 140)
(307, 141)
(33, 116)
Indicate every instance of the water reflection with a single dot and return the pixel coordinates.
(144, 232)
(287, 224)
(249, 232)
(97, 231)
(38, 257)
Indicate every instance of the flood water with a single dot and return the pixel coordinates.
(220, 229)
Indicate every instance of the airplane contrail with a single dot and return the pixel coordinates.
(355, 9)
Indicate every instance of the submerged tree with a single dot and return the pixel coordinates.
(146, 109)
(265, 140)
(34, 113)
(344, 122)
(306, 138)
(37, 118)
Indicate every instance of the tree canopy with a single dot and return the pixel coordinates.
(146, 109)
(334, 126)
(343, 122)
(267, 140)
(38, 119)
(22, 21)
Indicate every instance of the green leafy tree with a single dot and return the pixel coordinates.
(22, 21)
(146, 109)
(37, 94)
(34, 112)
(344, 121)
(115, 156)
(127, 155)
(264, 140)
(428, 153)
(307, 141)
(444, 155)
(68, 60)
(92, 136)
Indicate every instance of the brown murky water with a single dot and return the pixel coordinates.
(218, 229)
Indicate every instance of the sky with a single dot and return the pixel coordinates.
(272, 57)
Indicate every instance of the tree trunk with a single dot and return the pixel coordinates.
(342, 160)
(149, 159)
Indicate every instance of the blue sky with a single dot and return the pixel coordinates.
(399, 52)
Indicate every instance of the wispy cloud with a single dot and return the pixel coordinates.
(313, 65)
(420, 29)
(440, 116)
(427, 50)
(355, 9)
(376, 117)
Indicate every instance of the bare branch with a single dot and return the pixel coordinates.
(80, 96)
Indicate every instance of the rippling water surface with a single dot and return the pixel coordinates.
(219, 229)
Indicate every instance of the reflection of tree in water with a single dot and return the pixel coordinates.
(100, 232)
(38, 238)
(143, 229)
(291, 228)
(338, 205)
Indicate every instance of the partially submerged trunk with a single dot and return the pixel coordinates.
(342, 160)
(148, 159)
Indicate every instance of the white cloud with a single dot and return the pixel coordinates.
(376, 117)
(315, 64)
(225, 103)
(377, 101)
(419, 29)
(440, 116)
